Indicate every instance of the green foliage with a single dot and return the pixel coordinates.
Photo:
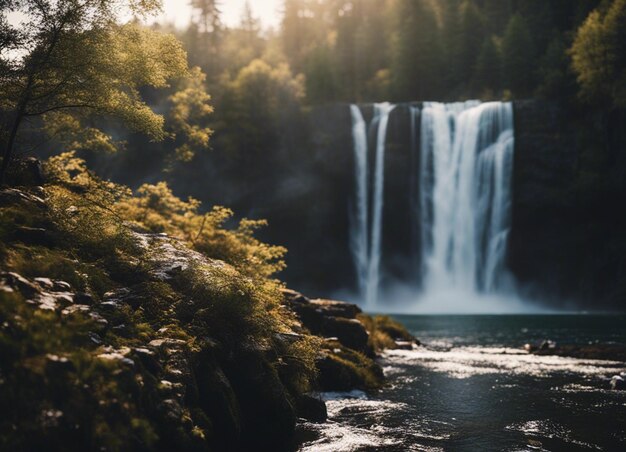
(123, 59)
(77, 65)
(488, 73)
(215, 313)
(417, 63)
(599, 55)
(555, 72)
(384, 332)
(518, 57)
(350, 369)
(66, 394)
(254, 106)
(269, 88)
(188, 116)
(81, 210)
(321, 85)
(410, 50)
(156, 208)
(472, 38)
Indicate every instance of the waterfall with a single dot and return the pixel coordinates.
(414, 187)
(459, 193)
(367, 213)
(465, 194)
(359, 223)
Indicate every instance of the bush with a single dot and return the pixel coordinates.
(222, 310)
(384, 332)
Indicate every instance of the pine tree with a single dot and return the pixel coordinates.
(518, 57)
(417, 61)
(497, 14)
(599, 55)
(452, 39)
(208, 28)
(207, 17)
(488, 74)
(472, 38)
(296, 33)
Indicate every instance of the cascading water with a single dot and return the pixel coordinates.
(358, 219)
(465, 195)
(460, 196)
(366, 217)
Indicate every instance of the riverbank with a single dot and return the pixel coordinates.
(472, 386)
(115, 335)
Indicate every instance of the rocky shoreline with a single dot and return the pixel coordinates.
(346, 362)
(608, 352)
(596, 351)
(142, 351)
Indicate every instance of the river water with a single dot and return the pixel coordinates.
(471, 387)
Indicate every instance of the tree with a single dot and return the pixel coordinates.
(417, 60)
(72, 60)
(207, 16)
(538, 15)
(296, 32)
(472, 38)
(518, 57)
(556, 80)
(497, 13)
(206, 32)
(258, 101)
(599, 55)
(188, 115)
(488, 74)
(452, 39)
(320, 79)
(249, 23)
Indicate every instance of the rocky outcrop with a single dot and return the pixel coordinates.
(618, 383)
(331, 319)
(607, 352)
(351, 341)
(150, 334)
(138, 351)
(242, 401)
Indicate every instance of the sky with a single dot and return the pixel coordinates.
(268, 11)
(179, 12)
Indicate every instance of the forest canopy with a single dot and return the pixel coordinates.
(96, 83)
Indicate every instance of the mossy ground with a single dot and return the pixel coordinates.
(385, 332)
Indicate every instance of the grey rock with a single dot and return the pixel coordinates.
(618, 383)
(83, 298)
(62, 286)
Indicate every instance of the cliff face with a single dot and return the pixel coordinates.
(312, 198)
(568, 237)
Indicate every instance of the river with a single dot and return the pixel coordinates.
(472, 387)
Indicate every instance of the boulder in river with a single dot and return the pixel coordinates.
(618, 383)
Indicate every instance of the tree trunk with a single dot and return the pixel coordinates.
(8, 150)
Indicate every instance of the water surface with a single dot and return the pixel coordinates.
(473, 388)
